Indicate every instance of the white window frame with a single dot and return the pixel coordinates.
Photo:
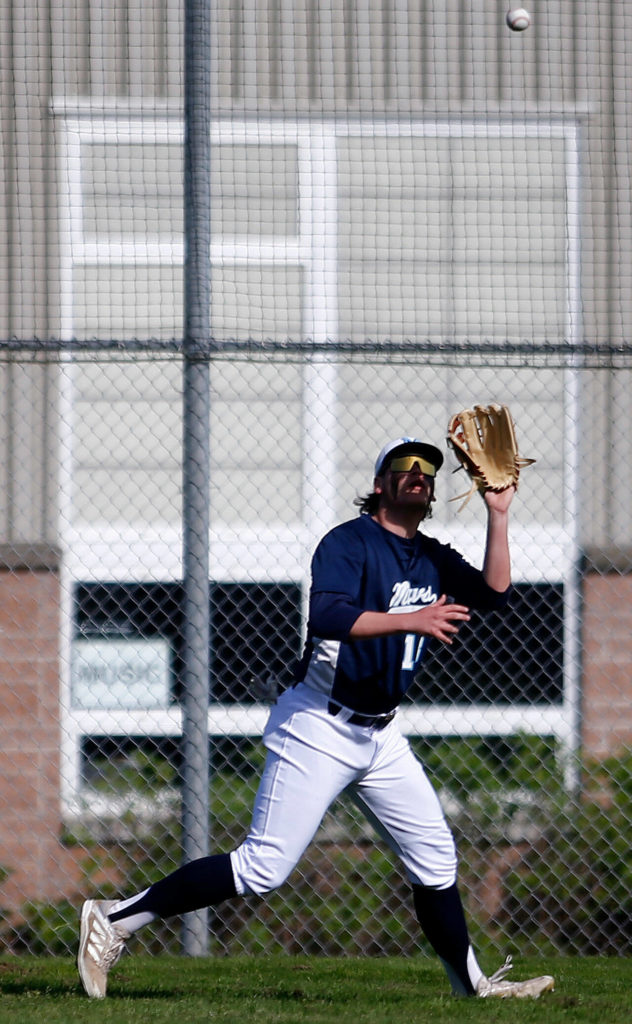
(283, 553)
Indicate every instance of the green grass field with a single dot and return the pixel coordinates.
(281, 990)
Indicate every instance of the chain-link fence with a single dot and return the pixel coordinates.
(411, 209)
(523, 723)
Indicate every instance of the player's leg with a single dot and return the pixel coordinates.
(286, 814)
(300, 780)
(311, 759)
(201, 883)
(441, 916)
(107, 924)
(397, 796)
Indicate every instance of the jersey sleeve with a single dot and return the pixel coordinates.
(467, 585)
(331, 616)
(337, 571)
(338, 563)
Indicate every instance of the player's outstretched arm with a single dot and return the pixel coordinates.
(439, 620)
(497, 562)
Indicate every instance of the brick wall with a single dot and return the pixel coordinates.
(607, 663)
(29, 733)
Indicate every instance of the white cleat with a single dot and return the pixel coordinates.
(100, 946)
(532, 988)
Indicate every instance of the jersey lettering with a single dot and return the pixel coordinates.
(404, 594)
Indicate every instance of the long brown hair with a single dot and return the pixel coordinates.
(368, 504)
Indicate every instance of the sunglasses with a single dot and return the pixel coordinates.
(405, 463)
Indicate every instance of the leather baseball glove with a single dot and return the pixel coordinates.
(484, 441)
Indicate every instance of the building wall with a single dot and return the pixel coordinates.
(607, 652)
(343, 59)
(29, 727)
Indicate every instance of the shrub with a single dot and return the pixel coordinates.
(573, 888)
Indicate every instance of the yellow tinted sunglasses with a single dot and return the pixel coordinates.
(405, 463)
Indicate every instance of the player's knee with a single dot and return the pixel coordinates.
(435, 864)
(257, 872)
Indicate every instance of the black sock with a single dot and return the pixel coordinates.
(441, 916)
(202, 883)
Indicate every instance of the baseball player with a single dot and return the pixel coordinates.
(380, 589)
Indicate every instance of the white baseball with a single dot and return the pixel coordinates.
(518, 19)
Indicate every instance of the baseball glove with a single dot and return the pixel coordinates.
(484, 441)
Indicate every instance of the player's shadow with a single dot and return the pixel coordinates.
(26, 981)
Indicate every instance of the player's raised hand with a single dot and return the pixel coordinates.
(440, 620)
(499, 501)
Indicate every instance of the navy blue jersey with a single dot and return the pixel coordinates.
(360, 566)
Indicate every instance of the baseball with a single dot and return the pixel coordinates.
(518, 19)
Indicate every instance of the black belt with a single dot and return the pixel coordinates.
(369, 721)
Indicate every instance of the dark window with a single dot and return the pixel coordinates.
(255, 629)
(505, 657)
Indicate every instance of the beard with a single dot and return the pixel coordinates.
(400, 495)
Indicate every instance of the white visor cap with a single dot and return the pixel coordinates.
(408, 446)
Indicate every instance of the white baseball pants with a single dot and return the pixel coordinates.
(314, 756)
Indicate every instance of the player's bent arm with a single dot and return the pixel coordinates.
(331, 616)
(439, 620)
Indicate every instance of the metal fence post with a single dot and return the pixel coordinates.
(196, 451)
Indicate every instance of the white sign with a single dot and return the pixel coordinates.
(109, 674)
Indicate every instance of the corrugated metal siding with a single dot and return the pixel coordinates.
(371, 57)
(400, 58)
(28, 285)
(27, 442)
(346, 58)
(367, 56)
(420, 58)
